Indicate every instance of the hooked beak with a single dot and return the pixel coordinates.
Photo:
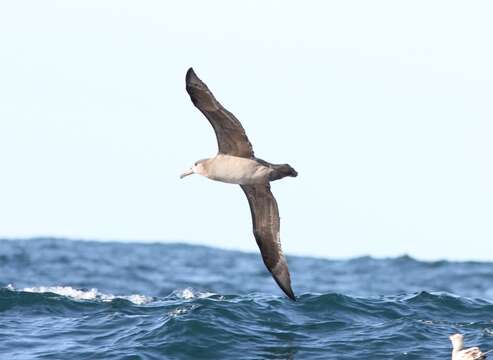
(186, 173)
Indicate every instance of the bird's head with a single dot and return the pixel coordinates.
(457, 341)
(197, 168)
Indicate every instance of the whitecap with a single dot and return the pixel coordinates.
(189, 293)
(78, 294)
(186, 294)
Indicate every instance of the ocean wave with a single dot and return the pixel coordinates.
(191, 322)
(82, 294)
(74, 299)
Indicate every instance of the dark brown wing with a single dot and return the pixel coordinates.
(231, 137)
(266, 226)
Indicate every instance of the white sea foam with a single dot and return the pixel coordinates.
(188, 294)
(77, 294)
(180, 311)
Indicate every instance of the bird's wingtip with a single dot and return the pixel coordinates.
(191, 76)
(281, 275)
(291, 295)
(288, 291)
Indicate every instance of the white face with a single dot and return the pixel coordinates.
(198, 168)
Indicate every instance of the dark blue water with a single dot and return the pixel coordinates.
(64, 299)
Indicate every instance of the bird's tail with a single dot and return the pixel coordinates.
(281, 171)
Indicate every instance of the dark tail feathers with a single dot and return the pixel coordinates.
(281, 171)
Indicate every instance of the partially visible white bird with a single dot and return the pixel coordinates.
(459, 353)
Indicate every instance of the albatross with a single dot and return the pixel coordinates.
(235, 163)
(459, 353)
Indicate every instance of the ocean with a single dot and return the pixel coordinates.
(64, 299)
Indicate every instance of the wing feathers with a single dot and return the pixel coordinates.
(266, 226)
(231, 137)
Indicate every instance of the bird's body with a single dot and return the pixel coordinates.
(235, 163)
(236, 170)
(459, 353)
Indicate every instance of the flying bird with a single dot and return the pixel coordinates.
(459, 353)
(236, 163)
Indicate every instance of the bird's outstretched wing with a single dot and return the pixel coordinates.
(266, 226)
(231, 137)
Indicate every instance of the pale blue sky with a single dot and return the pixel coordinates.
(383, 107)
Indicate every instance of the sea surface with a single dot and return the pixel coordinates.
(62, 299)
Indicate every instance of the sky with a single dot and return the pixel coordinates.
(384, 108)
